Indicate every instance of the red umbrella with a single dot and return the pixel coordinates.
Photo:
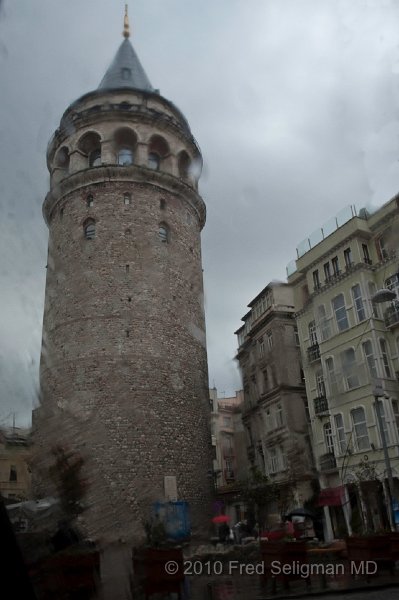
(221, 519)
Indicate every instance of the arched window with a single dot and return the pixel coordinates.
(360, 428)
(90, 201)
(126, 198)
(125, 142)
(62, 158)
(89, 229)
(163, 233)
(340, 430)
(125, 157)
(312, 333)
(349, 368)
(184, 164)
(328, 437)
(158, 149)
(95, 158)
(90, 145)
(154, 161)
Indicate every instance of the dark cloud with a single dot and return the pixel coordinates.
(294, 104)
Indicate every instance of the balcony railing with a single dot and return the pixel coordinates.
(313, 352)
(327, 462)
(320, 405)
(391, 315)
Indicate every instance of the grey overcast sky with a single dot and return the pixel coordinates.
(295, 105)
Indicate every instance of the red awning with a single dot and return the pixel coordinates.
(331, 496)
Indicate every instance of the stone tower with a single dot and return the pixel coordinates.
(124, 365)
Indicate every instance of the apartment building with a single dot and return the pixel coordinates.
(350, 344)
(274, 409)
(230, 464)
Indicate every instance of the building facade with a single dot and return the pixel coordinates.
(230, 462)
(124, 364)
(15, 456)
(274, 409)
(349, 345)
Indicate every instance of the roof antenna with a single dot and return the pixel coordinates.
(126, 27)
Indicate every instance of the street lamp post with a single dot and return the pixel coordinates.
(381, 296)
(378, 394)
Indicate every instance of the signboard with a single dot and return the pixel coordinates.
(170, 486)
(331, 496)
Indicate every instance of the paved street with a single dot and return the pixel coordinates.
(377, 594)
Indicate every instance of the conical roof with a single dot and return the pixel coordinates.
(126, 71)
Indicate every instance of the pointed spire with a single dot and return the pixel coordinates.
(126, 70)
(126, 26)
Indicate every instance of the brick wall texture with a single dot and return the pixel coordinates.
(124, 365)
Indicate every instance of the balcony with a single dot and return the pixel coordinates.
(320, 405)
(327, 462)
(391, 315)
(229, 475)
(313, 353)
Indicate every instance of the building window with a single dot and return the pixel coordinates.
(90, 201)
(162, 204)
(126, 73)
(265, 380)
(340, 312)
(395, 410)
(227, 421)
(374, 307)
(269, 421)
(324, 323)
(392, 283)
(328, 437)
(89, 229)
(153, 161)
(370, 359)
(261, 347)
(279, 416)
(379, 405)
(269, 336)
(127, 199)
(366, 255)
(327, 272)
(385, 359)
(320, 385)
(335, 265)
(348, 258)
(358, 302)
(163, 233)
(383, 245)
(360, 428)
(312, 333)
(61, 214)
(350, 368)
(331, 376)
(274, 465)
(13, 473)
(296, 337)
(125, 157)
(95, 158)
(340, 429)
(316, 279)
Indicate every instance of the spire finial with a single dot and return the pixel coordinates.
(126, 27)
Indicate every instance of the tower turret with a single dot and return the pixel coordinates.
(123, 366)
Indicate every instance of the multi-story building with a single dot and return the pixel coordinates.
(230, 463)
(349, 344)
(274, 408)
(15, 455)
